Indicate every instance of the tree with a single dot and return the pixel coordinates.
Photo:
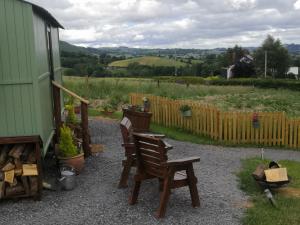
(278, 58)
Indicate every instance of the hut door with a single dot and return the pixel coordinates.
(50, 56)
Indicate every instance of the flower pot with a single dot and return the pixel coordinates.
(77, 109)
(77, 162)
(187, 113)
(107, 113)
(255, 124)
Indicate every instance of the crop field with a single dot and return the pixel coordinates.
(227, 98)
(148, 61)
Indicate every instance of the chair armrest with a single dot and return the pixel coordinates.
(128, 145)
(183, 161)
(153, 135)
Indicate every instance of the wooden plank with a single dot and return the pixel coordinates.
(295, 134)
(234, 128)
(298, 140)
(70, 92)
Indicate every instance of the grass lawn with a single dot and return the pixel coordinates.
(227, 98)
(262, 212)
(148, 61)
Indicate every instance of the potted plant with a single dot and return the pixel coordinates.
(72, 121)
(186, 110)
(69, 151)
(107, 109)
(146, 104)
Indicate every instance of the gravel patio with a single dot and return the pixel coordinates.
(96, 200)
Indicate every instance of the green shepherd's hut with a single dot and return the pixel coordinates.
(29, 62)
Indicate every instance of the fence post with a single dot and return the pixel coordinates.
(85, 130)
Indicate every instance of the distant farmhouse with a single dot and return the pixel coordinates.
(294, 71)
(243, 67)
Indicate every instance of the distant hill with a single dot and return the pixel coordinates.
(138, 52)
(67, 47)
(148, 61)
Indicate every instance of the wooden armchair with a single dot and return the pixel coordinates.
(128, 144)
(152, 162)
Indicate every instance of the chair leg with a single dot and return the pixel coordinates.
(192, 181)
(135, 193)
(164, 197)
(125, 174)
(160, 185)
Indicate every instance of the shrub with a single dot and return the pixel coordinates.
(66, 145)
(71, 118)
(260, 83)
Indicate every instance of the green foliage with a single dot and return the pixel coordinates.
(260, 83)
(263, 212)
(185, 108)
(231, 95)
(278, 58)
(148, 61)
(181, 135)
(71, 117)
(66, 145)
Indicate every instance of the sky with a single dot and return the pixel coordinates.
(201, 24)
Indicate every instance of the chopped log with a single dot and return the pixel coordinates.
(30, 170)
(18, 172)
(14, 191)
(28, 149)
(31, 158)
(18, 163)
(8, 166)
(3, 155)
(14, 183)
(9, 176)
(2, 189)
(26, 186)
(259, 173)
(16, 151)
(276, 175)
(34, 184)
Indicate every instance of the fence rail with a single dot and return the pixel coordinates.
(275, 128)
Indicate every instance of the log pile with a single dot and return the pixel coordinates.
(18, 171)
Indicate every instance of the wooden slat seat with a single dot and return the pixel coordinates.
(152, 162)
(129, 146)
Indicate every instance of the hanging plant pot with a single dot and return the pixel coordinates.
(187, 113)
(186, 110)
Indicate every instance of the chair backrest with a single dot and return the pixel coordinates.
(151, 153)
(126, 130)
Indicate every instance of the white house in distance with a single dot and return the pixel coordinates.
(294, 70)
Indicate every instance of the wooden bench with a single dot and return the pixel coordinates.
(128, 144)
(152, 162)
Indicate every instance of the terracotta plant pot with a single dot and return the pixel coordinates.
(77, 109)
(77, 162)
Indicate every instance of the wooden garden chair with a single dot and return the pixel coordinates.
(152, 162)
(128, 144)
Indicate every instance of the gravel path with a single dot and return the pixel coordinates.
(96, 200)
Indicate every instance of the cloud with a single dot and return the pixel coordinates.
(173, 23)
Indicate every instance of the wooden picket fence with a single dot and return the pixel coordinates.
(275, 129)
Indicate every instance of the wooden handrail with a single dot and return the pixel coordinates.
(57, 88)
(70, 92)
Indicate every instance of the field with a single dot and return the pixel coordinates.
(235, 98)
(148, 61)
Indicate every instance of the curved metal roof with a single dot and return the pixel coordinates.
(44, 14)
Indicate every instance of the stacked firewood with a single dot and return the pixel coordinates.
(18, 171)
